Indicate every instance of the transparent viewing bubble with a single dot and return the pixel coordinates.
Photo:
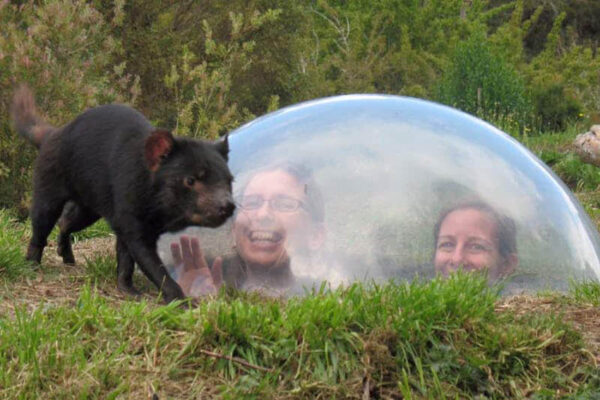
(384, 169)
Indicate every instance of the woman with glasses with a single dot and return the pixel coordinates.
(279, 218)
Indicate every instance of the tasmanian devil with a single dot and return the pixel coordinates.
(111, 162)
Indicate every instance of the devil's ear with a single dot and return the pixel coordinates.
(158, 146)
(222, 146)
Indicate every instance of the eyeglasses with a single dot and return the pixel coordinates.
(278, 203)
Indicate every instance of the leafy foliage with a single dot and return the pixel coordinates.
(202, 90)
(65, 50)
(204, 68)
(555, 108)
(484, 84)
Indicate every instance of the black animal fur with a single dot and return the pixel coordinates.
(111, 162)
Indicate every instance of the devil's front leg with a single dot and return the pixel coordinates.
(145, 255)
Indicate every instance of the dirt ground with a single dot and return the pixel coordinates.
(58, 284)
(585, 318)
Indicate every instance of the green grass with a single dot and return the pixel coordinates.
(556, 151)
(576, 174)
(101, 269)
(440, 339)
(586, 292)
(12, 257)
(97, 230)
(14, 234)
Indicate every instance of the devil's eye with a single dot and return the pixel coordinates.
(189, 181)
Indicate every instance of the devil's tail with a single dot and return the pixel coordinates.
(26, 118)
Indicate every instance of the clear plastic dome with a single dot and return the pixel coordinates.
(388, 170)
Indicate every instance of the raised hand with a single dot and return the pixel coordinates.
(197, 279)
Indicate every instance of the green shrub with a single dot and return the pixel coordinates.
(564, 80)
(159, 36)
(65, 51)
(202, 86)
(483, 83)
(554, 108)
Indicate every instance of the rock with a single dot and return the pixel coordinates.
(587, 146)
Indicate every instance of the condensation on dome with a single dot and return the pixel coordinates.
(387, 166)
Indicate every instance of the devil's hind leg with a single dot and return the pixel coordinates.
(74, 218)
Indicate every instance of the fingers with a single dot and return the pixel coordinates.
(193, 256)
(176, 254)
(186, 251)
(197, 278)
(198, 253)
(217, 272)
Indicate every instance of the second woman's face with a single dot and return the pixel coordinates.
(275, 218)
(468, 239)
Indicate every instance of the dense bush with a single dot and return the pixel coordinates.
(564, 80)
(202, 87)
(239, 54)
(203, 68)
(554, 108)
(65, 51)
(483, 83)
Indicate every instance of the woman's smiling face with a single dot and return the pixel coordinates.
(271, 215)
(468, 239)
